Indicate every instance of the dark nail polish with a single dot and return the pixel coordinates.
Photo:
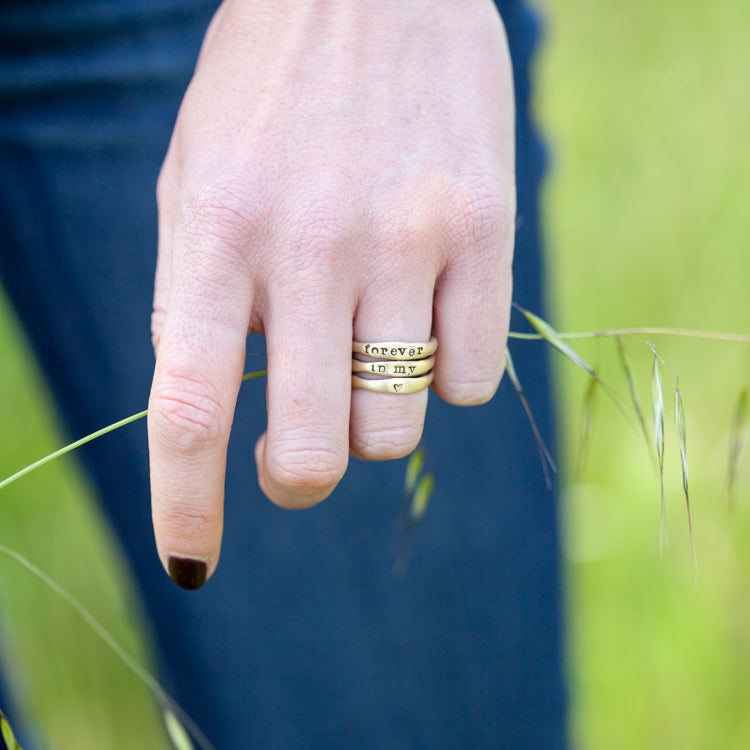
(187, 572)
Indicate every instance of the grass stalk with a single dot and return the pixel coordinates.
(88, 438)
(163, 699)
(645, 331)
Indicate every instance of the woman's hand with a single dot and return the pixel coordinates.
(338, 169)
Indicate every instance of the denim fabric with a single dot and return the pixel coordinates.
(304, 637)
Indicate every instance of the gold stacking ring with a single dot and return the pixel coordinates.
(396, 350)
(395, 368)
(392, 385)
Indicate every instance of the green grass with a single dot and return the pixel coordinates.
(83, 696)
(646, 108)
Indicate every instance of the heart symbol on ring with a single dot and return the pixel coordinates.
(397, 387)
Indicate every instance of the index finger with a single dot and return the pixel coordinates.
(197, 377)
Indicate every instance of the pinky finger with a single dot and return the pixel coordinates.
(471, 317)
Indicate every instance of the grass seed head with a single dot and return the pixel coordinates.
(657, 406)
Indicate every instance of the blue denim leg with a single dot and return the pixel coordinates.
(304, 637)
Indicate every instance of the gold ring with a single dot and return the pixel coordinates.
(392, 385)
(396, 350)
(391, 368)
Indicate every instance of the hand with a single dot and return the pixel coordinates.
(338, 169)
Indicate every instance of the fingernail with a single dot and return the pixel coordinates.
(187, 572)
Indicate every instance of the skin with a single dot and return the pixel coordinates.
(338, 169)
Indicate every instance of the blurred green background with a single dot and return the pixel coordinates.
(646, 109)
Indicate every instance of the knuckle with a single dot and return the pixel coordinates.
(187, 413)
(306, 470)
(467, 392)
(405, 224)
(220, 212)
(185, 522)
(386, 444)
(482, 210)
(410, 238)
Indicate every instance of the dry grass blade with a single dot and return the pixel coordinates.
(681, 428)
(657, 405)
(587, 424)
(737, 438)
(7, 734)
(634, 397)
(552, 337)
(544, 454)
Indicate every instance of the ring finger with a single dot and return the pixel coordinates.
(387, 425)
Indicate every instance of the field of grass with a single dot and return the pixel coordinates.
(646, 109)
(82, 694)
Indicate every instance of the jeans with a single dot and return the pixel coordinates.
(304, 637)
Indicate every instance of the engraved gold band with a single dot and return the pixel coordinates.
(392, 368)
(392, 385)
(396, 350)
